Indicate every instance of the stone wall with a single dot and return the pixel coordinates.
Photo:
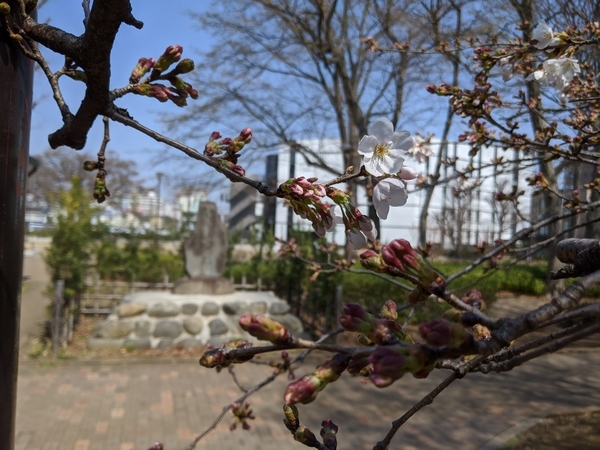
(154, 319)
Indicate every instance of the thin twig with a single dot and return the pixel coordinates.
(231, 371)
(117, 116)
(509, 353)
(460, 372)
(240, 400)
(549, 348)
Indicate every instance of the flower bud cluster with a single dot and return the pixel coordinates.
(538, 181)
(390, 363)
(226, 151)
(305, 389)
(265, 329)
(171, 55)
(574, 202)
(100, 189)
(306, 198)
(179, 90)
(242, 414)
(380, 331)
(359, 228)
(143, 66)
(303, 435)
(442, 333)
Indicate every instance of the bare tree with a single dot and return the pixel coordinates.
(56, 170)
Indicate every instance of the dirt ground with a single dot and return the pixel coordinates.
(562, 432)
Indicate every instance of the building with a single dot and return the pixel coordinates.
(245, 210)
(459, 214)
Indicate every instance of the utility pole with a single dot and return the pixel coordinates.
(159, 175)
(16, 81)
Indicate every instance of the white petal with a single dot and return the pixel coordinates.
(402, 140)
(382, 207)
(407, 173)
(382, 129)
(356, 238)
(367, 145)
(371, 235)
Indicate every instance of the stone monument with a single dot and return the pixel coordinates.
(205, 255)
(202, 309)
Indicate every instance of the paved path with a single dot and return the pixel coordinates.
(33, 302)
(107, 406)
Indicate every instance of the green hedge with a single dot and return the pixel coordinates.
(291, 280)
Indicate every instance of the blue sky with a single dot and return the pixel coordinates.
(165, 23)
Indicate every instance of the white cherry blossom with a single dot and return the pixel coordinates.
(563, 69)
(388, 192)
(544, 36)
(383, 148)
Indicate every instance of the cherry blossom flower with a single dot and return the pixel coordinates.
(420, 150)
(388, 192)
(383, 148)
(563, 70)
(544, 36)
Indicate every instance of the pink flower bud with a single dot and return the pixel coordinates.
(214, 136)
(387, 366)
(184, 66)
(291, 420)
(215, 357)
(358, 366)
(354, 318)
(266, 329)
(372, 260)
(245, 135)
(404, 251)
(303, 182)
(303, 390)
(306, 437)
(143, 67)
(328, 434)
(437, 333)
(171, 55)
(330, 370)
(389, 310)
(390, 258)
(474, 298)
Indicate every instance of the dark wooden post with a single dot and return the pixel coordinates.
(16, 77)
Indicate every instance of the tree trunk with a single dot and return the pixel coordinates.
(16, 77)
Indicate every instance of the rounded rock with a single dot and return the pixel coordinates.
(217, 327)
(189, 308)
(131, 309)
(210, 309)
(279, 308)
(113, 329)
(193, 325)
(142, 328)
(164, 309)
(168, 328)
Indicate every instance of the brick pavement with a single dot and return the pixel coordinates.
(127, 406)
